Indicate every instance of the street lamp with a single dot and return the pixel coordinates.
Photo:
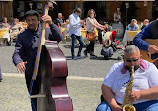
(127, 6)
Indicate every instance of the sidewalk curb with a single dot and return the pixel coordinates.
(69, 77)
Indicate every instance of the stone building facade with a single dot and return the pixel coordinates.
(104, 9)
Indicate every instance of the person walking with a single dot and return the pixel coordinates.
(91, 24)
(75, 32)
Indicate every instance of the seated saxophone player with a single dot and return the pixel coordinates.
(148, 32)
(144, 92)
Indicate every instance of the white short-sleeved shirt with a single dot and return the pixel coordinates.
(142, 80)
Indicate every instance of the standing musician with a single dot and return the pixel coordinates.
(26, 48)
(145, 85)
(149, 32)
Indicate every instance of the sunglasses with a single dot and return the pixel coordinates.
(130, 60)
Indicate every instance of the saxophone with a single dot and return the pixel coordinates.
(127, 104)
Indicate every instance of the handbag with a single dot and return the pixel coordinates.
(91, 36)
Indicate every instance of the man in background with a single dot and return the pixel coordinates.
(60, 21)
(75, 32)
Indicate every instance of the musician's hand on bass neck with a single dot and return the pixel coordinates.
(21, 67)
(153, 49)
(47, 19)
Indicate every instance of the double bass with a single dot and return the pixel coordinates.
(145, 54)
(51, 70)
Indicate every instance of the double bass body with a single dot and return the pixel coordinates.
(53, 95)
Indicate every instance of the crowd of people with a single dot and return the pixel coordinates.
(14, 27)
(133, 26)
(74, 24)
(145, 85)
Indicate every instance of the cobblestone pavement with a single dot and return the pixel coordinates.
(84, 80)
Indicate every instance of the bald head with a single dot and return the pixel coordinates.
(146, 22)
(131, 49)
(60, 15)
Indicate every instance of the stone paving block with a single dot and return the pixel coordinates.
(14, 95)
(85, 94)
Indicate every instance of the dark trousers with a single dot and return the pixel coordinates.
(144, 106)
(90, 47)
(35, 90)
(81, 42)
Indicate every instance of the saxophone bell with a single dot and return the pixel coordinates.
(129, 107)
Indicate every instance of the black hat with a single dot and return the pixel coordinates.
(32, 12)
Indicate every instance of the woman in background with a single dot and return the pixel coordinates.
(91, 24)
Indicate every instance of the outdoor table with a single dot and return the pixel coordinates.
(63, 31)
(4, 34)
(128, 36)
(83, 33)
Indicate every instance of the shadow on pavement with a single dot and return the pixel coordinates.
(68, 57)
(76, 46)
(102, 58)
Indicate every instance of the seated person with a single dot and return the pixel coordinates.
(60, 21)
(4, 33)
(11, 20)
(67, 27)
(117, 16)
(16, 29)
(145, 23)
(5, 24)
(133, 26)
(145, 85)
